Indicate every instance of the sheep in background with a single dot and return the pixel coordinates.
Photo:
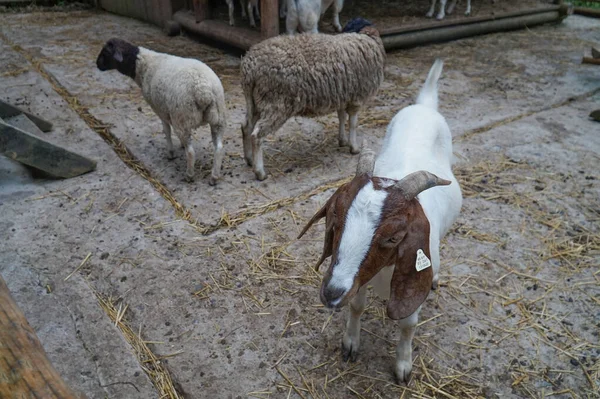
(252, 6)
(442, 13)
(304, 15)
(309, 75)
(183, 92)
(385, 225)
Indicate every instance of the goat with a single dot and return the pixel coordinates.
(386, 224)
(305, 14)
(309, 75)
(251, 5)
(442, 12)
(185, 94)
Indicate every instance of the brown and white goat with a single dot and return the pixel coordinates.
(385, 225)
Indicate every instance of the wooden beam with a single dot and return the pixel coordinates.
(269, 18)
(25, 371)
(217, 30)
(7, 111)
(201, 10)
(34, 151)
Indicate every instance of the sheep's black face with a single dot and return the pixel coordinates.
(356, 25)
(118, 54)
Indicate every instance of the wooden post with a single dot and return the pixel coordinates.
(201, 10)
(25, 371)
(269, 18)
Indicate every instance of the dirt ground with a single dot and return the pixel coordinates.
(187, 290)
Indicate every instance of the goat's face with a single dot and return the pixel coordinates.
(371, 223)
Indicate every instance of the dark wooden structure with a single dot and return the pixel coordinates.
(25, 371)
(195, 16)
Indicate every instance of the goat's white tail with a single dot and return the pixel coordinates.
(429, 93)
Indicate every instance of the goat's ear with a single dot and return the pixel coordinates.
(410, 287)
(319, 215)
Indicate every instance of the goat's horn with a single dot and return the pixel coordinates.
(366, 161)
(417, 182)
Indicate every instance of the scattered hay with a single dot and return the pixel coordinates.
(148, 361)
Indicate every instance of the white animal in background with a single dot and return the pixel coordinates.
(304, 15)
(185, 94)
(385, 225)
(251, 5)
(442, 12)
(309, 75)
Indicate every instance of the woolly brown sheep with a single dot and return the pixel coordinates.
(309, 75)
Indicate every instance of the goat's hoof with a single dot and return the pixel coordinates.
(349, 352)
(171, 155)
(212, 181)
(261, 175)
(338, 28)
(343, 143)
(249, 161)
(434, 285)
(429, 15)
(189, 178)
(467, 13)
(439, 17)
(354, 150)
(403, 371)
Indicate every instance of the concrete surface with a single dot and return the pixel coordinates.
(230, 313)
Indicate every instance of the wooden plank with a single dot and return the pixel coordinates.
(269, 18)
(25, 371)
(587, 12)
(242, 38)
(41, 154)
(7, 111)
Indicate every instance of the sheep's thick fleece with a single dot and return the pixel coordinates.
(178, 88)
(288, 75)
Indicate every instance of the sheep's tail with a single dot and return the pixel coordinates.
(429, 93)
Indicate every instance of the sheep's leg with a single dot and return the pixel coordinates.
(230, 5)
(353, 112)
(404, 348)
(351, 340)
(167, 132)
(342, 116)
(191, 159)
(247, 139)
(468, 12)
(442, 13)
(216, 130)
(337, 9)
(450, 9)
(263, 128)
(431, 9)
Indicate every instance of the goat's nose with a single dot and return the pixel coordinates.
(331, 295)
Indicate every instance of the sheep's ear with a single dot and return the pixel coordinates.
(118, 55)
(410, 286)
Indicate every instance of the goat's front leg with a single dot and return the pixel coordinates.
(337, 9)
(404, 348)
(230, 5)
(353, 112)
(251, 14)
(431, 9)
(442, 13)
(342, 116)
(450, 9)
(216, 131)
(351, 340)
(167, 132)
(468, 12)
